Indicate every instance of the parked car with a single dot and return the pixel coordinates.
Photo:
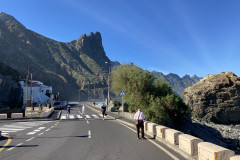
(57, 105)
(64, 103)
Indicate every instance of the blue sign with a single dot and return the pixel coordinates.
(122, 93)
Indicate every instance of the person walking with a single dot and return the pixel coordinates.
(103, 110)
(68, 111)
(83, 110)
(139, 117)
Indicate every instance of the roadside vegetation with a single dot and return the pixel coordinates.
(154, 96)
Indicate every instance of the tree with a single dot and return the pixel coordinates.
(154, 96)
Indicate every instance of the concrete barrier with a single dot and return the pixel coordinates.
(151, 129)
(47, 113)
(160, 131)
(28, 108)
(189, 144)
(145, 125)
(209, 151)
(32, 115)
(172, 136)
(3, 116)
(17, 115)
(235, 158)
(37, 109)
(45, 108)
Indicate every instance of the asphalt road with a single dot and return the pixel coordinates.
(80, 137)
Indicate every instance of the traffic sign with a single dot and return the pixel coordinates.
(122, 93)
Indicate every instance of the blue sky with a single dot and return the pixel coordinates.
(171, 36)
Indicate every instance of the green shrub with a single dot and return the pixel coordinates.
(154, 96)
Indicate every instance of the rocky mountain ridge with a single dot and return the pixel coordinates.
(67, 67)
(178, 84)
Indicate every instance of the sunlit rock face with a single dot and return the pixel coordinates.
(215, 98)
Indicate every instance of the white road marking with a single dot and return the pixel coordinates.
(47, 129)
(6, 131)
(87, 122)
(40, 134)
(89, 134)
(14, 146)
(71, 117)
(11, 129)
(31, 133)
(41, 128)
(79, 116)
(95, 116)
(87, 116)
(36, 130)
(63, 117)
(30, 139)
(16, 126)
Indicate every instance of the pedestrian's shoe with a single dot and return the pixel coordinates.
(138, 138)
(143, 138)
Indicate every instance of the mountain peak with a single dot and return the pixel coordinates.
(10, 20)
(4, 16)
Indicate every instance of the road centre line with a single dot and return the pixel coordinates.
(40, 134)
(89, 134)
(48, 129)
(7, 143)
(14, 146)
(30, 139)
(160, 147)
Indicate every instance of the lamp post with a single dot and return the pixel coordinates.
(79, 95)
(109, 67)
(94, 91)
(88, 90)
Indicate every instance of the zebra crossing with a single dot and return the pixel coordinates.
(20, 126)
(78, 116)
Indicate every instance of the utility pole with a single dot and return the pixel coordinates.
(31, 92)
(94, 91)
(109, 70)
(79, 95)
(88, 90)
(26, 101)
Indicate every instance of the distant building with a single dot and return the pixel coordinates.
(40, 92)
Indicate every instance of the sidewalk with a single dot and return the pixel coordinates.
(54, 116)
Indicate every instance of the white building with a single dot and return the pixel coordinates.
(40, 92)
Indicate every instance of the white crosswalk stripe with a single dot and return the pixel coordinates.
(77, 116)
(20, 126)
(95, 116)
(87, 116)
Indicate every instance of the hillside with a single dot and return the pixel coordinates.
(178, 84)
(67, 67)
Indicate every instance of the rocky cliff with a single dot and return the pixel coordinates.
(215, 98)
(178, 84)
(67, 67)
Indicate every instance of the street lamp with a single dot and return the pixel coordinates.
(79, 95)
(88, 90)
(109, 67)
